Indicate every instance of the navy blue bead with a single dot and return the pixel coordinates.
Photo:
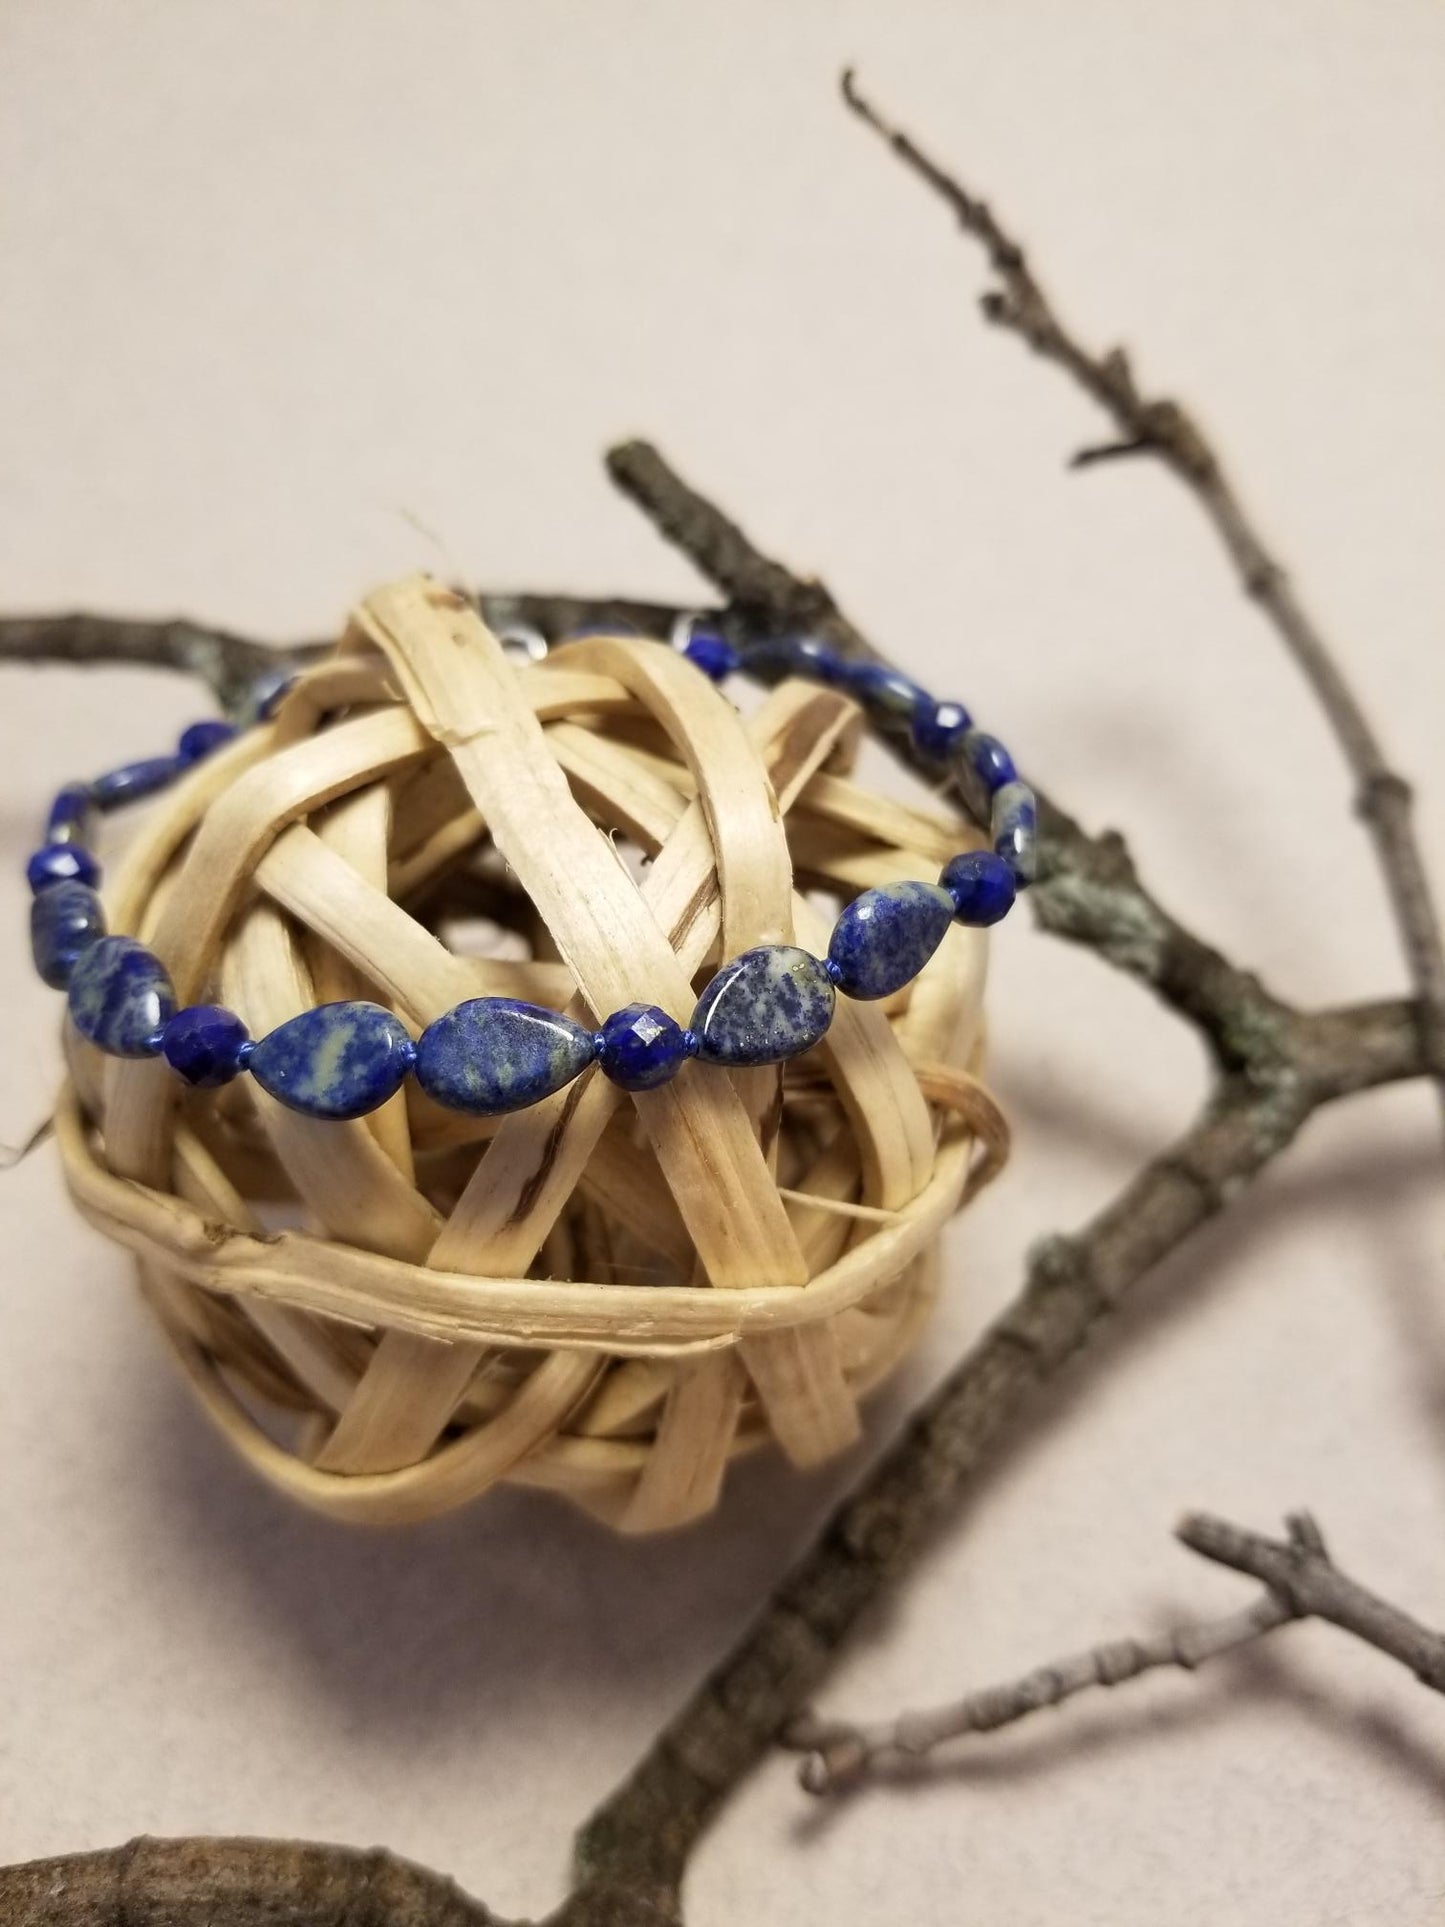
(713, 654)
(641, 1047)
(885, 937)
(203, 739)
(495, 1054)
(121, 997)
(764, 1006)
(989, 758)
(1015, 830)
(794, 656)
(69, 817)
(64, 920)
(133, 781)
(982, 886)
(205, 1045)
(336, 1061)
(61, 863)
(939, 728)
(882, 688)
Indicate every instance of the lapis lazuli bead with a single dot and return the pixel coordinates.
(885, 689)
(69, 817)
(982, 886)
(206, 1045)
(335, 1061)
(266, 694)
(793, 656)
(713, 654)
(121, 997)
(495, 1054)
(989, 758)
(64, 920)
(61, 863)
(764, 1006)
(1015, 830)
(203, 739)
(133, 781)
(885, 937)
(939, 728)
(641, 1047)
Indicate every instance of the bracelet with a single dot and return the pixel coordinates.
(496, 1054)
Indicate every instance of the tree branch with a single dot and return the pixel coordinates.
(1158, 426)
(1300, 1580)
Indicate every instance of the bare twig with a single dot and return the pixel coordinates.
(1301, 1582)
(1158, 426)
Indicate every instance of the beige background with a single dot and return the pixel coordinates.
(282, 282)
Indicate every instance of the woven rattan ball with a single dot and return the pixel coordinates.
(607, 1295)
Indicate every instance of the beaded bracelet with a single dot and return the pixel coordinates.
(497, 1054)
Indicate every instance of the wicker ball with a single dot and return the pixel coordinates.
(608, 1294)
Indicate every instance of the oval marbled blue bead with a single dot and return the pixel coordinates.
(132, 781)
(61, 863)
(982, 887)
(989, 758)
(120, 997)
(1016, 830)
(64, 920)
(885, 689)
(794, 656)
(939, 728)
(885, 937)
(764, 1006)
(199, 740)
(337, 1061)
(640, 1047)
(496, 1054)
(69, 817)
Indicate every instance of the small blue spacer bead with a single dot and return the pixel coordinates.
(982, 887)
(834, 970)
(69, 815)
(989, 757)
(61, 863)
(713, 654)
(689, 1043)
(204, 739)
(939, 728)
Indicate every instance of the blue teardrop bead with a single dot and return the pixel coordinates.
(885, 937)
(64, 920)
(120, 996)
(495, 1054)
(337, 1061)
(764, 1006)
(641, 1047)
(206, 1045)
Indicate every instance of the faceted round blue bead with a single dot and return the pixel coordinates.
(64, 920)
(204, 739)
(764, 1006)
(982, 886)
(713, 654)
(337, 1060)
(205, 1044)
(134, 781)
(61, 863)
(885, 937)
(989, 758)
(121, 997)
(495, 1054)
(939, 728)
(641, 1047)
(69, 815)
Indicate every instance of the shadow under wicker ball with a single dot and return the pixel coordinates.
(608, 1294)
